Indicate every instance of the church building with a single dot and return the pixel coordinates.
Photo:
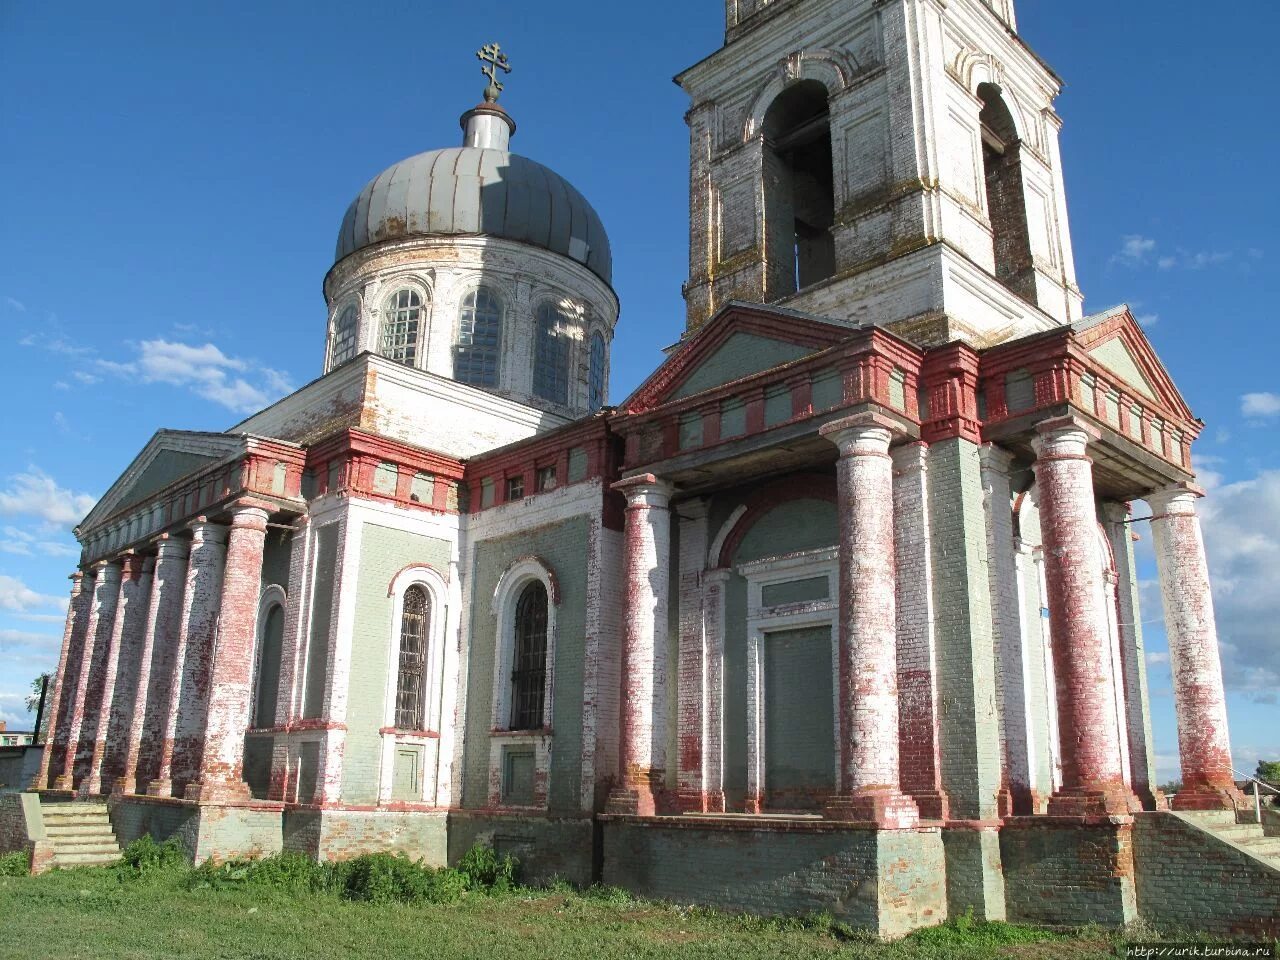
(837, 611)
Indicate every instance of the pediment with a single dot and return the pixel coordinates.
(1116, 342)
(169, 456)
(740, 341)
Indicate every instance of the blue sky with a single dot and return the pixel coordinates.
(174, 178)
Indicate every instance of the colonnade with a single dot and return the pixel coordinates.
(870, 785)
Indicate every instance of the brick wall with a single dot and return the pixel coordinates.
(342, 834)
(888, 882)
(1069, 870)
(1191, 879)
(547, 847)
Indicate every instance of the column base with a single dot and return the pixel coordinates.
(64, 782)
(160, 788)
(89, 787)
(1203, 796)
(700, 801)
(1110, 801)
(635, 796)
(218, 791)
(887, 809)
(935, 805)
(125, 785)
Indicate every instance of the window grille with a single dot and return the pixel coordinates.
(529, 662)
(546, 479)
(475, 355)
(515, 488)
(344, 337)
(595, 374)
(551, 354)
(413, 658)
(400, 327)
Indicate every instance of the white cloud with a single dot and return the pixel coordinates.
(35, 494)
(19, 598)
(1259, 405)
(1147, 319)
(16, 304)
(1242, 539)
(240, 385)
(1135, 250)
(88, 379)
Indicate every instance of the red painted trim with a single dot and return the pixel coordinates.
(420, 734)
(413, 566)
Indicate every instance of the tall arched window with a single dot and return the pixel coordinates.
(415, 614)
(401, 324)
(595, 373)
(799, 189)
(475, 355)
(270, 642)
(529, 658)
(1006, 201)
(551, 354)
(343, 344)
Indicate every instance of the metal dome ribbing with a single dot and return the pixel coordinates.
(473, 191)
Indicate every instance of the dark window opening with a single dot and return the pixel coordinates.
(264, 708)
(515, 488)
(799, 190)
(546, 479)
(529, 660)
(1006, 199)
(413, 659)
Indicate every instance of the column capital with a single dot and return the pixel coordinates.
(863, 434)
(77, 581)
(251, 514)
(910, 457)
(718, 575)
(695, 509)
(203, 530)
(1177, 499)
(1069, 435)
(131, 566)
(169, 545)
(645, 490)
(1114, 511)
(995, 459)
(105, 570)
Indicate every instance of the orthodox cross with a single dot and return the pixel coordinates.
(494, 59)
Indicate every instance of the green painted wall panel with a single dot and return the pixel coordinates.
(740, 356)
(384, 552)
(563, 547)
(799, 714)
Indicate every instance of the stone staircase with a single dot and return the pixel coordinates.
(80, 834)
(1252, 838)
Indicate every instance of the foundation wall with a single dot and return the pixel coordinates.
(547, 847)
(343, 834)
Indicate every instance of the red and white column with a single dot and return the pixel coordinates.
(127, 600)
(221, 773)
(72, 640)
(106, 590)
(188, 689)
(1204, 747)
(283, 773)
(160, 629)
(869, 787)
(1093, 781)
(647, 542)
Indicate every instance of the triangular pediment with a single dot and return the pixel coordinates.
(1115, 341)
(169, 456)
(741, 341)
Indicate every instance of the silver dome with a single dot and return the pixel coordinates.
(462, 191)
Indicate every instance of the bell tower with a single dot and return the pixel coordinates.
(890, 162)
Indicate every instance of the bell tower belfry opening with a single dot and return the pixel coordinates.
(892, 162)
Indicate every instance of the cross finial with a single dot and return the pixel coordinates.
(494, 59)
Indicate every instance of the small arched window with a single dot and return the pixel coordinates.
(529, 659)
(475, 355)
(595, 373)
(401, 326)
(415, 613)
(343, 344)
(551, 354)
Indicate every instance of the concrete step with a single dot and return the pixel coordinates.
(63, 819)
(1237, 831)
(1263, 846)
(84, 859)
(97, 846)
(75, 829)
(83, 805)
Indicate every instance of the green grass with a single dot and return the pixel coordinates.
(382, 906)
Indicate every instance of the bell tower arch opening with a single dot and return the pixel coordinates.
(1006, 199)
(799, 191)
